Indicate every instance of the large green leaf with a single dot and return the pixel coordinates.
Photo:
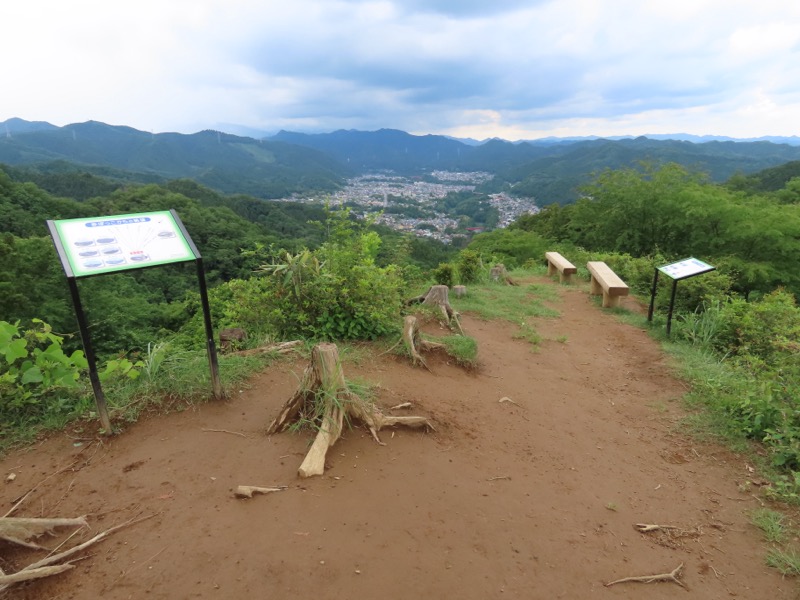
(13, 350)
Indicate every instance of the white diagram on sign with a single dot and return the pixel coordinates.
(117, 242)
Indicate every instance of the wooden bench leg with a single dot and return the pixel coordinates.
(597, 289)
(551, 269)
(564, 278)
(610, 301)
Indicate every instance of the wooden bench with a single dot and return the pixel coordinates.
(606, 282)
(556, 262)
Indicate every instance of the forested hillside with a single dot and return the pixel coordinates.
(235, 234)
(224, 162)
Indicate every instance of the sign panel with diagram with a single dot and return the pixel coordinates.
(105, 244)
(686, 268)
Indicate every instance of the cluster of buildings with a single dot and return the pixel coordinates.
(375, 192)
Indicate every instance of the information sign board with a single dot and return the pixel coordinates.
(101, 245)
(105, 244)
(686, 268)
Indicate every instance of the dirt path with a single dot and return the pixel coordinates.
(534, 499)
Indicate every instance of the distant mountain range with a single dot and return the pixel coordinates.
(548, 169)
(221, 161)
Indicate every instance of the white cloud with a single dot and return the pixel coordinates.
(479, 68)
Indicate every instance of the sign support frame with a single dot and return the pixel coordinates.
(678, 271)
(83, 327)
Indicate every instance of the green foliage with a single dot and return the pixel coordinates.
(120, 368)
(335, 292)
(771, 523)
(786, 560)
(469, 266)
(670, 211)
(754, 383)
(445, 274)
(515, 304)
(512, 247)
(462, 348)
(36, 375)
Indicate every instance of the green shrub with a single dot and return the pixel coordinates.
(445, 274)
(469, 266)
(37, 377)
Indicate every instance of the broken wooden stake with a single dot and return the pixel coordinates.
(247, 491)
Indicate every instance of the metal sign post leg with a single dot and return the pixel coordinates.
(653, 296)
(212, 351)
(99, 397)
(671, 305)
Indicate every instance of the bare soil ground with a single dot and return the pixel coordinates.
(534, 499)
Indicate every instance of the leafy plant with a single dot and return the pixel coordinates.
(445, 274)
(335, 292)
(469, 266)
(35, 367)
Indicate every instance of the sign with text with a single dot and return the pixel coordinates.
(105, 244)
(686, 268)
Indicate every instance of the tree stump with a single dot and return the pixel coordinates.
(438, 295)
(414, 342)
(324, 398)
(499, 272)
(231, 338)
(460, 291)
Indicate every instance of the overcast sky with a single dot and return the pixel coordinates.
(515, 69)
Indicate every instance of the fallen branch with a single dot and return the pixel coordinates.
(500, 477)
(18, 501)
(646, 527)
(247, 491)
(28, 575)
(225, 431)
(43, 567)
(401, 405)
(20, 530)
(671, 576)
(282, 348)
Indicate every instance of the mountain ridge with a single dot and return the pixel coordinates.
(294, 163)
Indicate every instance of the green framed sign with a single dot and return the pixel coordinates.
(97, 245)
(677, 271)
(686, 268)
(103, 245)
